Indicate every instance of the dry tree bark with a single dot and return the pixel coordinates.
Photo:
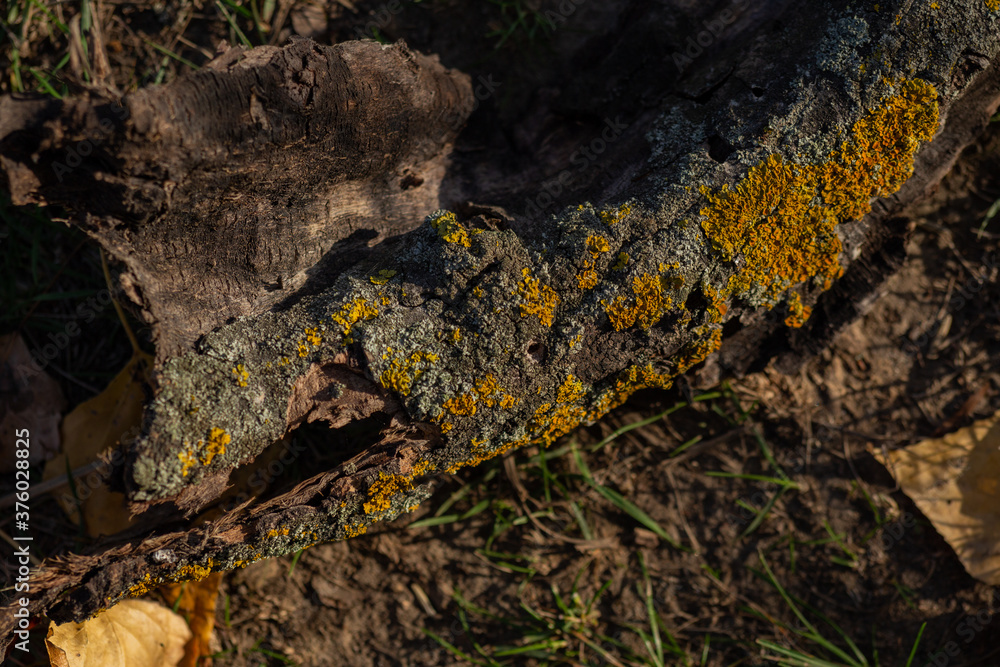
(309, 250)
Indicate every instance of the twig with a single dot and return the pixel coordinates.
(50, 485)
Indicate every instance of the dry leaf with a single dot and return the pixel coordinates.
(955, 481)
(29, 399)
(95, 427)
(134, 633)
(309, 20)
(196, 604)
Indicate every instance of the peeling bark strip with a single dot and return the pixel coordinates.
(275, 161)
(479, 332)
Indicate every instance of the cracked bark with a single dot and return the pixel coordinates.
(283, 245)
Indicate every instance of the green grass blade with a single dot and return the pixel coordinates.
(916, 643)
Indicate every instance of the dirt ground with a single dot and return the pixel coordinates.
(533, 551)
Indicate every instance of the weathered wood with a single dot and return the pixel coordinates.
(249, 182)
(721, 214)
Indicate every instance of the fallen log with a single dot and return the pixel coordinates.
(310, 251)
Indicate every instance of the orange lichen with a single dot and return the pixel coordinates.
(404, 370)
(587, 278)
(645, 308)
(697, 351)
(780, 218)
(463, 405)
(508, 402)
(488, 389)
(993, 5)
(536, 299)
(570, 391)
(351, 313)
(274, 532)
(797, 312)
(631, 380)
(717, 307)
(449, 228)
(355, 529)
(597, 244)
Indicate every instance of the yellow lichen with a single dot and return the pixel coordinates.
(536, 299)
(798, 313)
(449, 228)
(631, 380)
(355, 529)
(204, 450)
(274, 532)
(621, 262)
(242, 375)
(404, 370)
(382, 277)
(313, 336)
(351, 313)
(215, 446)
(780, 218)
(193, 572)
(382, 491)
(616, 215)
(645, 308)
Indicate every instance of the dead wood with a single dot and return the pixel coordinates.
(287, 249)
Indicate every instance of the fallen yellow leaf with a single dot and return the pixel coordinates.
(134, 633)
(93, 427)
(195, 601)
(955, 481)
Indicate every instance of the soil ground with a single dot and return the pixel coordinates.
(534, 561)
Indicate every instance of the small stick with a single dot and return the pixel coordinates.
(50, 485)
